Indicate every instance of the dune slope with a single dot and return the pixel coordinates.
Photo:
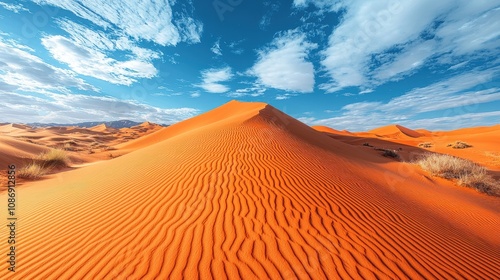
(252, 194)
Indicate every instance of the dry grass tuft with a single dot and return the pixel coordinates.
(466, 172)
(53, 158)
(425, 145)
(32, 171)
(459, 145)
(43, 163)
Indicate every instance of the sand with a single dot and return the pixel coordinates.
(394, 131)
(19, 144)
(247, 192)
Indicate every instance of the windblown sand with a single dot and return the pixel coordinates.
(247, 192)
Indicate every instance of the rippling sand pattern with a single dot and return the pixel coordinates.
(251, 195)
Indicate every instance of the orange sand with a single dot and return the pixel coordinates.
(395, 131)
(19, 144)
(245, 191)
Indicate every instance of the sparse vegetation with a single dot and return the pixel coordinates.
(43, 163)
(32, 171)
(107, 148)
(389, 153)
(465, 172)
(425, 145)
(367, 145)
(459, 145)
(53, 158)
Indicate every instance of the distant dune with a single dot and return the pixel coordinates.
(103, 128)
(20, 144)
(395, 131)
(331, 130)
(246, 191)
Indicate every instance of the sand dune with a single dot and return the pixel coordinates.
(245, 191)
(19, 144)
(103, 128)
(394, 131)
(331, 130)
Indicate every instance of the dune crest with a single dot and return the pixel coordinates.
(247, 192)
(103, 128)
(331, 130)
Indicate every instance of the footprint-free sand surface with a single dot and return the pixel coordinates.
(247, 192)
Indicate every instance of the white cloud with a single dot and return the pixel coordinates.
(195, 94)
(473, 26)
(282, 97)
(61, 108)
(323, 5)
(254, 90)
(456, 97)
(216, 48)
(458, 121)
(16, 8)
(149, 20)
(93, 62)
(451, 93)
(212, 79)
(21, 70)
(270, 8)
(236, 48)
(378, 41)
(284, 64)
(412, 57)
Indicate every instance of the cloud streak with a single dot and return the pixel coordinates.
(54, 107)
(212, 79)
(148, 20)
(16, 8)
(21, 70)
(452, 99)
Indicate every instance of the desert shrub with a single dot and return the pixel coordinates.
(107, 148)
(367, 145)
(389, 153)
(53, 158)
(32, 171)
(43, 163)
(459, 145)
(465, 172)
(425, 145)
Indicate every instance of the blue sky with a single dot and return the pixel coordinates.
(352, 65)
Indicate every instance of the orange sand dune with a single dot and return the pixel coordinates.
(485, 142)
(424, 132)
(19, 144)
(220, 114)
(473, 130)
(103, 128)
(245, 191)
(13, 151)
(331, 130)
(13, 128)
(394, 131)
